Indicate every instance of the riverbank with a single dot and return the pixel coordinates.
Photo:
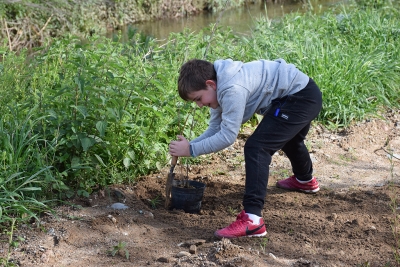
(28, 24)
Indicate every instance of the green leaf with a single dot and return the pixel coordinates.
(75, 162)
(127, 162)
(31, 189)
(87, 142)
(101, 127)
(100, 160)
(82, 110)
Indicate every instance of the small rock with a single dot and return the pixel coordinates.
(192, 249)
(183, 254)
(272, 256)
(163, 259)
(148, 214)
(119, 206)
(51, 231)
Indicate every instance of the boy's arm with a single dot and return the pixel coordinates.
(229, 118)
(213, 125)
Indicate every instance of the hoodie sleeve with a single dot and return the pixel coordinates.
(213, 125)
(224, 124)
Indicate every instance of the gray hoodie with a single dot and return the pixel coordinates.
(242, 90)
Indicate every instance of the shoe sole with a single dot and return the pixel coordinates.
(230, 237)
(313, 191)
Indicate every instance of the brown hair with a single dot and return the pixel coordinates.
(193, 76)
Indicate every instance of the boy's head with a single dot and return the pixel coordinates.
(193, 76)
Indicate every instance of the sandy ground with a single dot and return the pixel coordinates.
(350, 222)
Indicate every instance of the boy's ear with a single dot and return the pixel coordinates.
(211, 83)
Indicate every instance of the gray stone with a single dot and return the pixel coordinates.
(119, 206)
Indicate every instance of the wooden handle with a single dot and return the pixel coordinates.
(174, 160)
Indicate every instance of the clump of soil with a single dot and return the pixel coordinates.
(348, 223)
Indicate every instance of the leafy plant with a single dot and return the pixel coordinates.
(119, 248)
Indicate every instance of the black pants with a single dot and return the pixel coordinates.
(284, 126)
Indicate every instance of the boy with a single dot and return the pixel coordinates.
(287, 98)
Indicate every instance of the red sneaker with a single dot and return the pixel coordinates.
(243, 226)
(291, 183)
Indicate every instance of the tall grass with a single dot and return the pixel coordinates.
(26, 183)
(353, 55)
(103, 111)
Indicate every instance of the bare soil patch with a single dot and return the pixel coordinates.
(348, 223)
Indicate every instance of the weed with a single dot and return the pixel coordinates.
(283, 173)
(154, 202)
(232, 211)
(347, 157)
(263, 243)
(11, 244)
(119, 248)
(219, 172)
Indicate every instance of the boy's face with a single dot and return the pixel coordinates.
(206, 97)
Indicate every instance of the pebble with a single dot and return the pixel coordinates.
(51, 231)
(148, 214)
(163, 259)
(119, 206)
(192, 249)
(183, 254)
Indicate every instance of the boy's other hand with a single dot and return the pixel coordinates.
(180, 147)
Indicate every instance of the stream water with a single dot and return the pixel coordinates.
(240, 20)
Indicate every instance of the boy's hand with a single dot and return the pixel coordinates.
(179, 148)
